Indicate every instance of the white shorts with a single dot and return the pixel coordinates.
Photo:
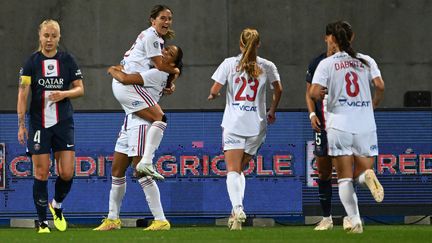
(132, 141)
(132, 98)
(346, 143)
(249, 144)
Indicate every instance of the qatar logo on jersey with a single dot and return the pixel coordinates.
(50, 68)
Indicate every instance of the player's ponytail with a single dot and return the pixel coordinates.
(46, 22)
(343, 34)
(249, 41)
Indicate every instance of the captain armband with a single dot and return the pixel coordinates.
(25, 80)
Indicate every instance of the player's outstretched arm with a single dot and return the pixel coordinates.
(214, 91)
(277, 94)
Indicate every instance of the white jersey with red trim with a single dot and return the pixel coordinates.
(245, 109)
(349, 103)
(147, 45)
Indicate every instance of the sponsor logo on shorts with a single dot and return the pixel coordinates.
(231, 141)
(373, 147)
(69, 145)
(136, 103)
(37, 147)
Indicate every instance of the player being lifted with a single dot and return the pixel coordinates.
(145, 121)
(244, 121)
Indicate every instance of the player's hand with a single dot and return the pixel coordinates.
(213, 96)
(22, 135)
(271, 117)
(315, 123)
(56, 96)
(323, 92)
(170, 90)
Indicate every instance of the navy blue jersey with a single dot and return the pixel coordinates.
(47, 75)
(309, 76)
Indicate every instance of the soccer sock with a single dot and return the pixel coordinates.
(325, 196)
(242, 184)
(153, 140)
(361, 179)
(152, 194)
(40, 198)
(118, 190)
(62, 188)
(234, 188)
(348, 197)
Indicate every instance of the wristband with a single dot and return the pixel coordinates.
(312, 114)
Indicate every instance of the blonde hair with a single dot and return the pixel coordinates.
(45, 23)
(249, 41)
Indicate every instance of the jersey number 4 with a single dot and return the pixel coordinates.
(351, 79)
(251, 83)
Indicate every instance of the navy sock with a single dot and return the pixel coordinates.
(40, 198)
(325, 196)
(62, 188)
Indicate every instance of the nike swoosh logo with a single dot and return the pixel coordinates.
(69, 145)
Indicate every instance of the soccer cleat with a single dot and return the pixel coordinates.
(356, 229)
(109, 224)
(159, 225)
(43, 228)
(237, 218)
(374, 185)
(59, 221)
(347, 224)
(325, 224)
(148, 170)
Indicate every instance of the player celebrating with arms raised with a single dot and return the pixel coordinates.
(244, 122)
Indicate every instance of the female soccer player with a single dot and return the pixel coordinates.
(351, 128)
(49, 73)
(129, 88)
(244, 122)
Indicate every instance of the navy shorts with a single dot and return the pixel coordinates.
(321, 143)
(59, 137)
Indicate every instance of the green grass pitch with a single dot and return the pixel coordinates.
(372, 233)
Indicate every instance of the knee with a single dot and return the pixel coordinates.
(66, 176)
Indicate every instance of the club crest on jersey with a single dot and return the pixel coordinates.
(50, 68)
(156, 44)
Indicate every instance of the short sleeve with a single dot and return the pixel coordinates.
(321, 75)
(153, 77)
(152, 46)
(374, 70)
(272, 72)
(222, 72)
(75, 71)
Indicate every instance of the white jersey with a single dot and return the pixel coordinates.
(147, 45)
(133, 98)
(349, 103)
(245, 109)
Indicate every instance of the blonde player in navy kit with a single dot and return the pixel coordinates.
(245, 120)
(49, 73)
(351, 128)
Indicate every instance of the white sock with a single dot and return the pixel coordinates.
(153, 140)
(118, 190)
(361, 179)
(152, 194)
(55, 204)
(234, 188)
(242, 184)
(348, 197)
